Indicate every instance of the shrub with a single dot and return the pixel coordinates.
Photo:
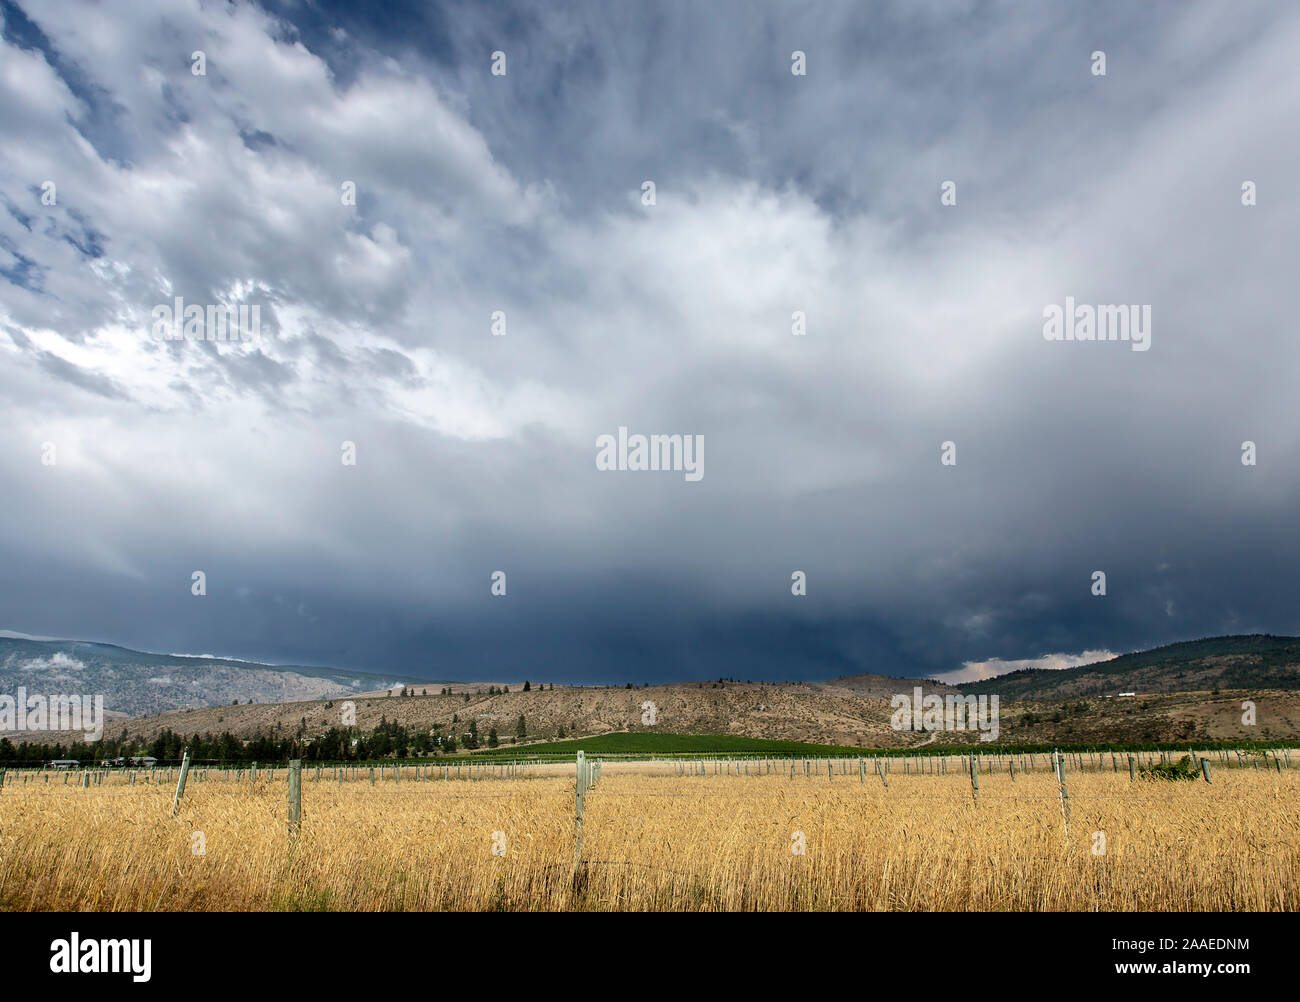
(1185, 768)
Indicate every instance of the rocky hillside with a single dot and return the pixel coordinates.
(1186, 692)
(751, 709)
(136, 683)
(1256, 661)
(792, 713)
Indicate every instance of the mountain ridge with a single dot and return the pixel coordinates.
(137, 683)
(1233, 661)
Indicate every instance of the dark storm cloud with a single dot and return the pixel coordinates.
(521, 194)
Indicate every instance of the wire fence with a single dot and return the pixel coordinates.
(883, 767)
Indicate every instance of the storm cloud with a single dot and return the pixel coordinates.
(516, 201)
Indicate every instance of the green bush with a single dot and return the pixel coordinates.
(1184, 768)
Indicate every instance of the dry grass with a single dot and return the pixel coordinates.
(655, 840)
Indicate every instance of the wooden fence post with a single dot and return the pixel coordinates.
(974, 780)
(180, 783)
(295, 797)
(1205, 769)
(1132, 770)
(577, 821)
(1065, 789)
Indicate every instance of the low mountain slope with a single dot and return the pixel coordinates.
(1255, 661)
(137, 683)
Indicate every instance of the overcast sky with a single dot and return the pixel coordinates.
(774, 193)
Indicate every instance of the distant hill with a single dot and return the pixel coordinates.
(193, 696)
(792, 712)
(137, 683)
(1254, 661)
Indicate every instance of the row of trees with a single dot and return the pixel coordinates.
(492, 690)
(339, 744)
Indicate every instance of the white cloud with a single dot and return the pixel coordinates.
(975, 671)
(60, 664)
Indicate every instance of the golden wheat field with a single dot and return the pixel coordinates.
(653, 839)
